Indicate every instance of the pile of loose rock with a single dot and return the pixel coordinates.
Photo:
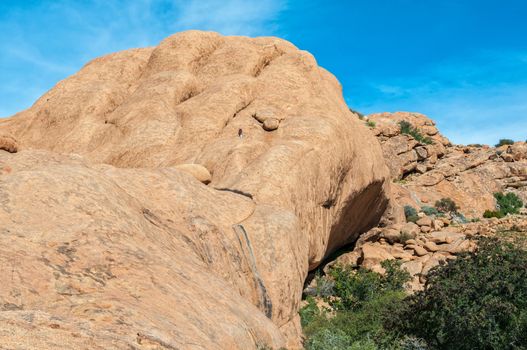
(423, 245)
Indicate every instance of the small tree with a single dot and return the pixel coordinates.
(477, 301)
(446, 205)
(409, 129)
(504, 142)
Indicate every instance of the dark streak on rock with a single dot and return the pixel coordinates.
(248, 195)
(265, 301)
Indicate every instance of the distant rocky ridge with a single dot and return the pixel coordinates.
(424, 173)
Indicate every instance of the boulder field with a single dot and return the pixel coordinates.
(176, 197)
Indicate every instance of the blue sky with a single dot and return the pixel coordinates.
(463, 63)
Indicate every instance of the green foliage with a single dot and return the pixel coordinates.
(458, 218)
(404, 236)
(371, 124)
(410, 213)
(430, 211)
(361, 301)
(504, 142)
(446, 205)
(493, 214)
(508, 203)
(359, 114)
(310, 312)
(327, 339)
(409, 129)
(477, 301)
(355, 287)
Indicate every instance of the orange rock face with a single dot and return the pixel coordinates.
(429, 171)
(176, 197)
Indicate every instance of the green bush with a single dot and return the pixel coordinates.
(504, 142)
(477, 301)
(355, 287)
(508, 203)
(493, 214)
(409, 129)
(310, 312)
(410, 213)
(361, 301)
(404, 237)
(371, 124)
(446, 205)
(359, 114)
(430, 211)
(329, 339)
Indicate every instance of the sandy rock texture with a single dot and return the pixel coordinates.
(176, 197)
(419, 251)
(425, 173)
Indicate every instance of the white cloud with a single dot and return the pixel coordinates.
(44, 42)
(479, 100)
(239, 17)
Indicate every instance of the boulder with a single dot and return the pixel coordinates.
(373, 255)
(8, 143)
(424, 221)
(271, 124)
(410, 229)
(420, 251)
(133, 237)
(199, 172)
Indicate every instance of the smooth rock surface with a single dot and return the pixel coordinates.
(118, 245)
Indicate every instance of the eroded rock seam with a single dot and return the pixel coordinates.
(265, 301)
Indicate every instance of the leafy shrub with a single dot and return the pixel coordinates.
(493, 214)
(404, 237)
(309, 312)
(409, 129)
(324, 287)
(430, 211)
(362, 299)
(359, 114)
(329, 339)
(459, 218)
(353, 288)
(371, 124)
(477, 301)
(412, 343)
(410, 213)
(446, 205)
(508, 203)
(504, 142)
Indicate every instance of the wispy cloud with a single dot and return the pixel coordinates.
(44, 42)
(233, 16)
(478, 100)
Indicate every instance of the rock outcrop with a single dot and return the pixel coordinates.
(176, 197)
(423, 245)
(425, 172)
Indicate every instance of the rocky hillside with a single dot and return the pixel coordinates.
(426, 169)
(177, 196)
(426, 166)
